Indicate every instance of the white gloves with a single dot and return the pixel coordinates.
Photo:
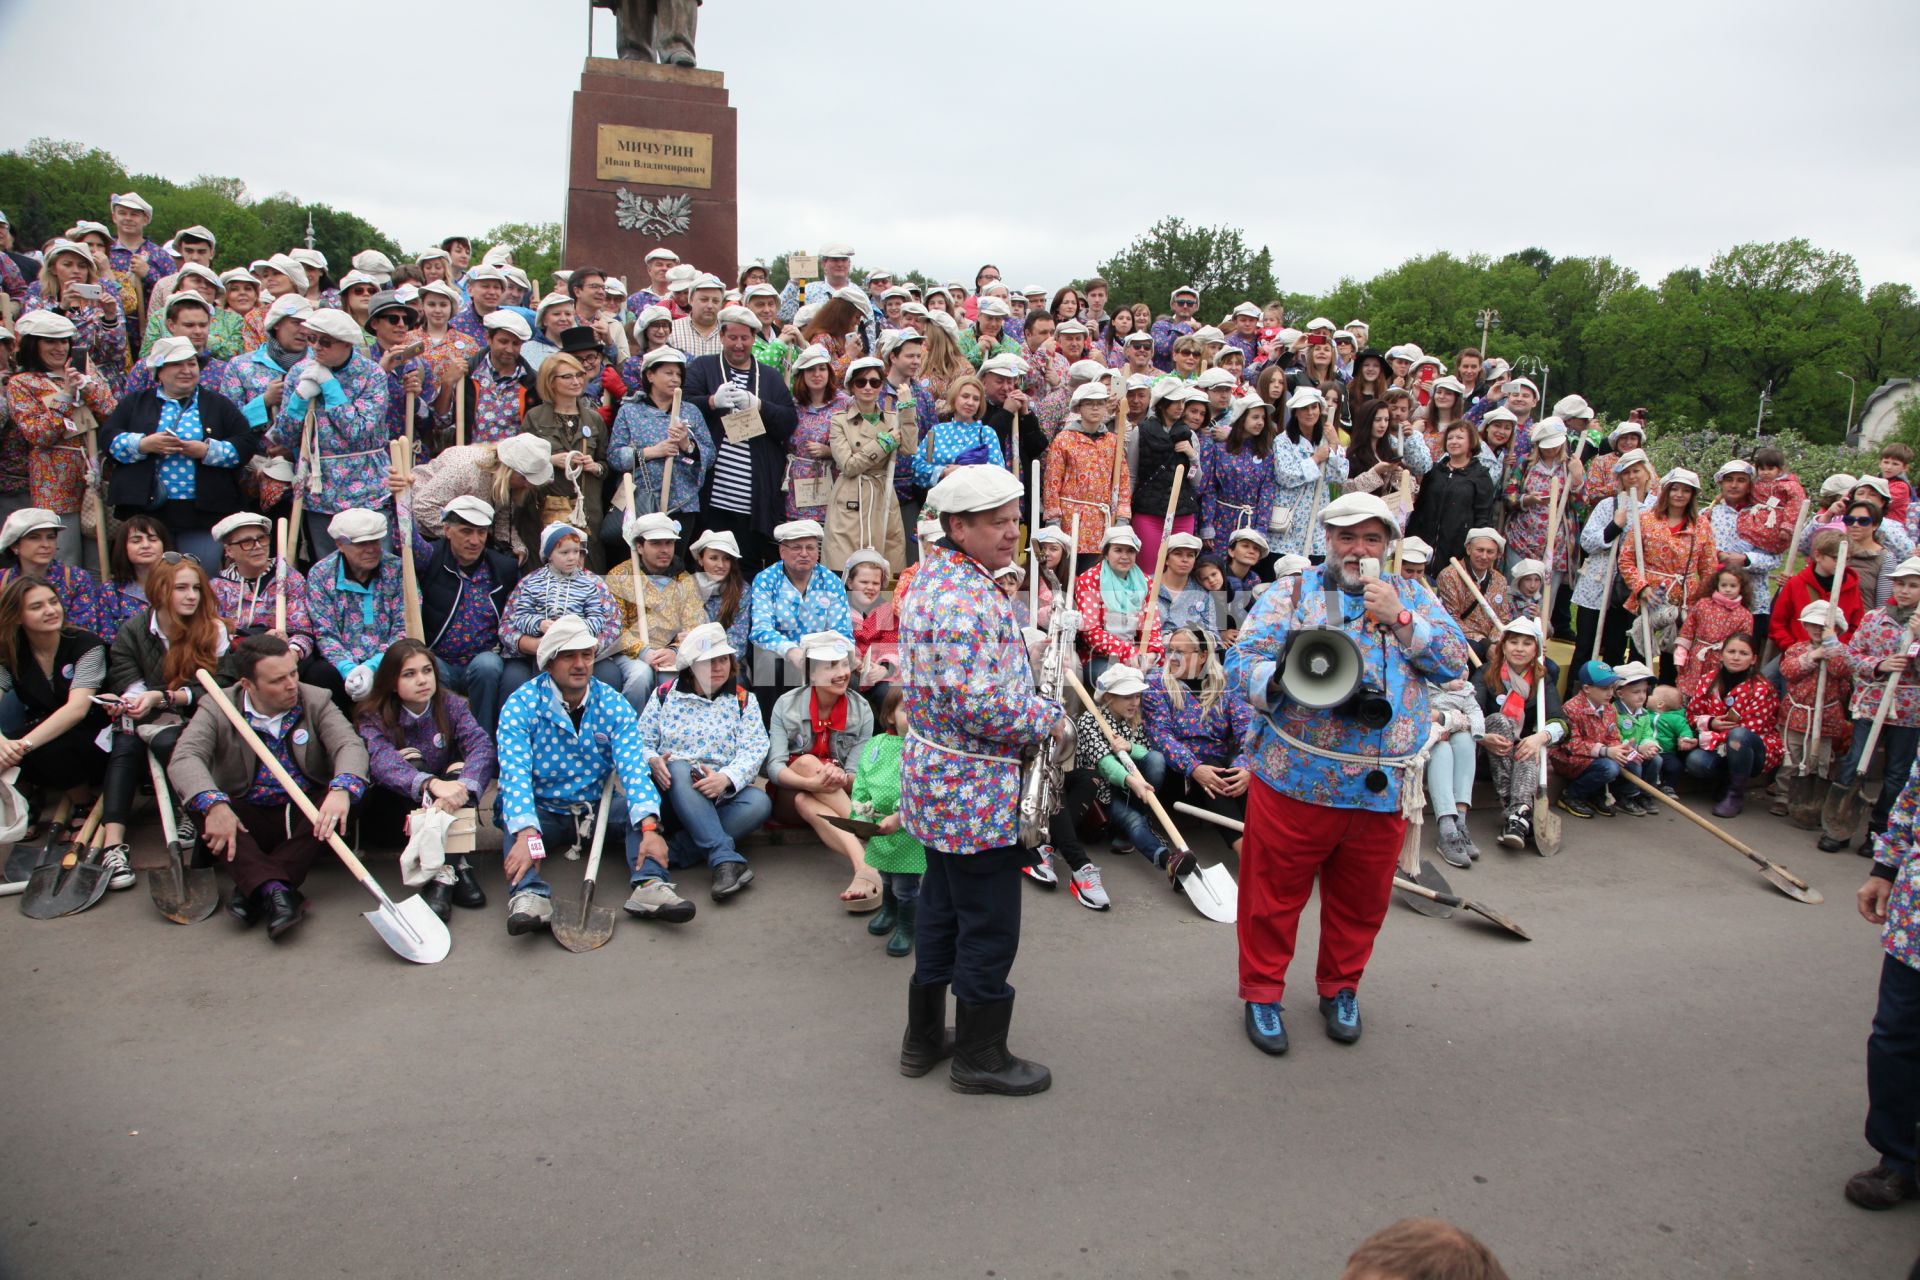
(1068, 618)
(748, 401)
(312, 379)
(731, 398)
(359, 681)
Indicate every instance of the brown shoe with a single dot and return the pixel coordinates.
(1880, 1187)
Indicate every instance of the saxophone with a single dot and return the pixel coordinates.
(1047, 764)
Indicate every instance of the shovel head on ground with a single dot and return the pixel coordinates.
(64, 888)
(1431, 880)
(1213, 892)
(1546, 829)
(1410, 890)
(185, 894)
(1840, 813)
(1805, 795)
(23, 858)
(581, 927)
(412, 930)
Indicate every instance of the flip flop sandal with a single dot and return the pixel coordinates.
(865, 902)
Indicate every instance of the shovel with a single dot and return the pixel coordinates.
(1440, 898)
(409, 927)
(1210, 889)
(70, 884)
(1546, 823)
(587, 927)
(855, 826)
(185, 895)
(1430, 893)
(1776, 875)
(23, 858)
(1804, 793)
(1841, 813)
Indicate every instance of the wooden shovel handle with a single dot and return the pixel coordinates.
(285, 779)
(1711, 829)
(1126, 759)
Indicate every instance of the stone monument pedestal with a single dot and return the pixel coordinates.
(654, 161)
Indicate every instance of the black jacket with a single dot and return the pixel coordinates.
(706, 375)
(132, 488)
(1033, 440)
(1450, 503)
(1154, 466)
(441, 583)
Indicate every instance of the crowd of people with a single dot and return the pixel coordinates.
(755, 552)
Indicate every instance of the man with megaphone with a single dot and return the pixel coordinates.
(1337, 662)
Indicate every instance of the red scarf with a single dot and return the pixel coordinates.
(823, 729)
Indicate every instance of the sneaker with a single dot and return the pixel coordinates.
(119, 874)
(1120, 844)
(1880, 1187)
(1087, 889)
(730, 878)
(1576, 806)
(1835, 844)
(1342, 1012)
(1450, 843)
(1176, 864)
(1466, 841)
(528, 911)
(1041, 870)
(656, 900)
(1670, 791)
(1517, 829)
(1602, 806)
(1264, 1027)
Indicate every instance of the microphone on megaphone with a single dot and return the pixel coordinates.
(1321, 669)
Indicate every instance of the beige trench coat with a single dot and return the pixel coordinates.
(862, 508)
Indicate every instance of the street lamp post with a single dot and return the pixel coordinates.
(1488, 318)
(1853, 385)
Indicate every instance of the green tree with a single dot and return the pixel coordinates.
(1214, 260)
(536, 250)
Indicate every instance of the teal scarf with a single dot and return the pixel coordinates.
(1123, 595)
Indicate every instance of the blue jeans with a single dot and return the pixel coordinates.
(1901, 744)
(557, 831)
(1129, 816)
(1672, 765)
(1893, 1065)
(1450, 774)
(478, 681)
(1592, 780)
(636, 681)
(708, 828)
(1745, 754)
(905, 885)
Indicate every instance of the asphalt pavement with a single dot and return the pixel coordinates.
(1668, 1081)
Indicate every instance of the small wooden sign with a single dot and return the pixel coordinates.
(660, 157)
(803, 266)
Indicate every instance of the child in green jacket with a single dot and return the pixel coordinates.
(1674, 736)
(895, 854)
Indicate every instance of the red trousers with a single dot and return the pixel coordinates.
(1287, 843)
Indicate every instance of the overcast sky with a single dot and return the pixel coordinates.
(1043, 136)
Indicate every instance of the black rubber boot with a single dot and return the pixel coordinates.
(901, 943)
(981, 1063)
(882, 922)
(928, 1041)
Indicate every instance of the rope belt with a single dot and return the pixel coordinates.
(313, 476)
(1413, 768)
(916, 736)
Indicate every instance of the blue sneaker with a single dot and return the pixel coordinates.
(1342, 1013)
(1264, 1028)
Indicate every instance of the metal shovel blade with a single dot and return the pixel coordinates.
(1840, 813)
(1546, 829)
(64, 888)
(185, 895)
(1213, 892)
(1780, 880)
(1429, 878)
(1804, 796)
(1506, 922)
(20, 860)
(581, 927)
(412, 930)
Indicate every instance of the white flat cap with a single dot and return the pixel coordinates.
(1448, 382)
(171, 350)
(45, 324)
(1070, 326)
(1627, 429)
(716, 540)
(1052, 533)
(1550, 434)
(1006, 364)
(1212, 378)
(374, 263)
(238, 275)
(357, 524)
(1824, 614)
(1474, 535)
(1630, 459)
(309, 258)
(1628, 672)
(441, 289)
(1415, 550)
(981, 487)
(1247, 309)
(25, 521)
(353, 278)
(338, 325)
(761, 290)
(1321, 324)
(237, 521)
(292, 269)
(836, 249)
(1291, 565)
(1121, 534)
(703, 644)
(1527, 569)
(1522, 627)
(1500, 414)
(864, 363)
(528, 455)
(1838, 482)
(1733, 467)
(1305, 396)
(569, 633)
(470, 510)
(132, 200)
(486, 271)
(498, 256)
(505, 321)
(995, 307)
(1090, 391)
(739, 315)
(650, 526)
(1574, 407)
(825, 646)
(1254, 536)
(707, 280)
(1513, 383)
(1681, 475)
(1185, 290)
(1876, 483)
(1183, 542)
(794, 530)
(813, 355)
(1139, 335)
(858, 297)
(1358, 508)
(1908, 568)
(287, 305)
(1120, 681)
(662, 254)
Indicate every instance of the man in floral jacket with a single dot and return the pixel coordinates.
(972, 711)
(1893, 1049)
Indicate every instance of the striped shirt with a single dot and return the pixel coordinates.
(733, 463)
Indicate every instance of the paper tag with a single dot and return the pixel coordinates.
(812, 491)
(743, 425)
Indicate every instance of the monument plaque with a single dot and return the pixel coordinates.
(654, 161)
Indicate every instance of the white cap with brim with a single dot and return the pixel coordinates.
(1908, 568)
(1006, 364)
(357, 524)
(131, 200)
(1357, 508)
(1633, 673)
(1527, 569)
(1522, 627)
(716, 540)
(337, 325)
(1501, 414)
(1254, 536)
(46, 324)
(1415, 550)
(1627, 429)
(1484, 531)
(286, 306)
(1183, 542)
(703, 644)
(1289, 565)
(1212, 378)
(1681, 475)
(237, 521)
(171, 349)
(1574, 407)
(1733, 467)
(1120, 681)
(25, 521)
(662, 355)
(864, 556)
(469, 510)
(1090, 391)
(1551, 434)
(981, 487)
(1630, 459)
(650, 526)
(825, 646)
(1821, 613)
(568, 633)
(812, 356)
(504, 321)
(995, 307)
(1304, 396)
(1876, 483)
(1838, 482)
(738, 315)
(794, 530)
(1121, 534)
(530, 456)
(1052, 533)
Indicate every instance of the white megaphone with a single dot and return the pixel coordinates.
(1321, 669)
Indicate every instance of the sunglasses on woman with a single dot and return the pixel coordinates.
(858, 383)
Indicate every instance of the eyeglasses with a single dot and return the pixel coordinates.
(176, 557)
(569, 375)
(1859, 521)
(1186, 302)
(858, 383)
(247, 544)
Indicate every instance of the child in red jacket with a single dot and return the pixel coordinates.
(1800, 668)
(1591, 754)
(1815, 582)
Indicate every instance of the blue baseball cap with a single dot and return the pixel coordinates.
(1598, 673)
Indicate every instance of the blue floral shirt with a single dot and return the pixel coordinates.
(354, 623)
(781, 614)
(641, 424)
(1893, 859)
(349, 435)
